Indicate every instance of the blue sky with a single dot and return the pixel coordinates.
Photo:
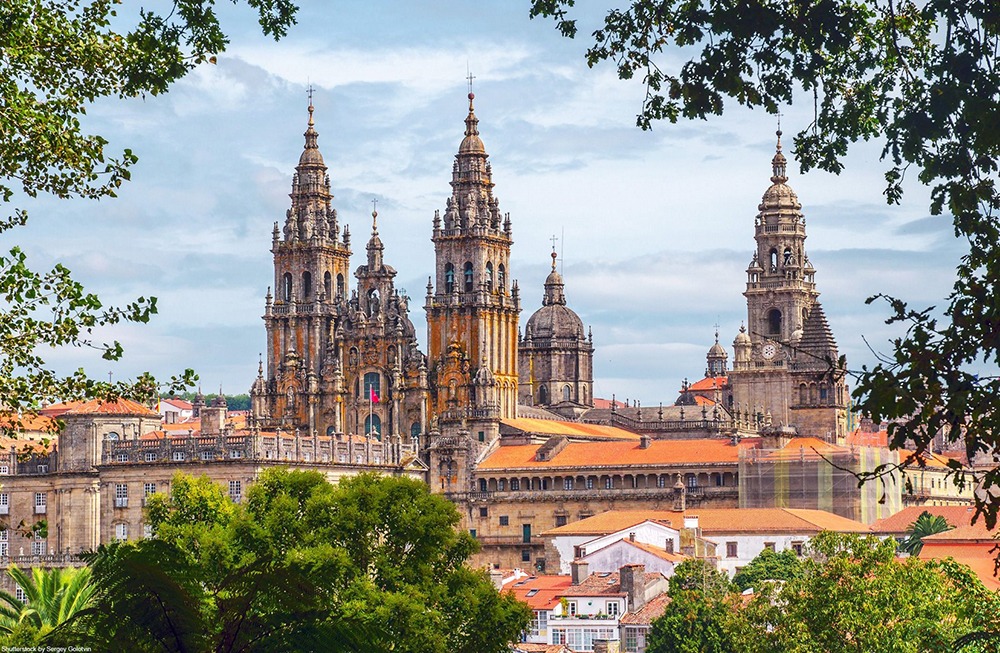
(656, 227)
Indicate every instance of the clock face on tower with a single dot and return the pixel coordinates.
(769, 350)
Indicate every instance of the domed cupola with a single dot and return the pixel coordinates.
(554, 321)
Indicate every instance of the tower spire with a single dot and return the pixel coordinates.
(778, 163)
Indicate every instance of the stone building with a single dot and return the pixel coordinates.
(786, 368)
(555, 359)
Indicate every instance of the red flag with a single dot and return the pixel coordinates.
(372, 395)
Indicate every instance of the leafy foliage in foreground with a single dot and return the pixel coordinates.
(57, 57)
(373, 564)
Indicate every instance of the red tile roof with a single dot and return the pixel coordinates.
(898, 523)
(569, 429)
(606, 403)
(978, 554)
(544, 591)
(118, 407)
(28, 423)
(709, 383)
(615, 454)
(859, 438)
(613, 521)
(645, 615)
(658, 551)
(178, 403)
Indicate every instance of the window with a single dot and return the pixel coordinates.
(608, 483)
(472, 532)
(235, 453)
(774, 322)
(539, 621)
(567, 392)
(4, 469)
(797, 547)
(286, 290)
(449, 278)
(590, 482)
(178, 456)
(4, 504)
(121, 457)
(148, 490)
(732, 550)
(567, 483)
(340, 285)
(489, 277)
(121, 495)
(769, 546)
(40, 501)
(526, 533)
(20, 595)
(525, 555)
(515, 484)
(4, 543)
(543, 396)
(467, 275)
(42, 469)
(613, 609)
(207, 455)
(571, 608)
(482, 436)
(501, 278)
(823, 392)
(149, 456)
(147, 531)
(121, 532)
(373, 383)
(327, 286)
(373, 426)
(504, 520)
(631, 640)
(236, 491)
(558, 635)
(501, 485)
(307, 283)
(482, 485)
(560, 520)
(484, 512)
(692, 481)
(661, 481)
(39, 546)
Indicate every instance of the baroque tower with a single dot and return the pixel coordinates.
(555, 358)
(472, 305)
(311, 263)
(787, 369)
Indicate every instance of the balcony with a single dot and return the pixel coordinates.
(121, 502)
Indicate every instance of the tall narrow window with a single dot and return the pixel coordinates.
(489, 277)
(449, 278)
(501, 278)
(327, 286)
(774, 260)
(373, 426)
(567, 393)
(307, 283)
(543, 396)
(372, 383)
(286, 291)
(774, 322)
(468, 276)
(340, 285)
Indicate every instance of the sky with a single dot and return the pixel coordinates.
(654, 228)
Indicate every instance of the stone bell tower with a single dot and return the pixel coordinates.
(786, 368)
(311, 269)
(472, 305)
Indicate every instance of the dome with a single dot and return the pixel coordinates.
(717, 350)
(472, 144)
(742, 338)
(311, 157)
(555, 321)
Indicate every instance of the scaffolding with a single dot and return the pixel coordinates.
(820, 476)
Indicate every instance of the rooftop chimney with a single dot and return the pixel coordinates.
(633, 582)
(579, 571)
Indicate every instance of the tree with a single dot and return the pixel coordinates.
(373, 564)
(855, 595)
(57, 57)
(696, 619)
(769, 566)
(52, 597)
(922, 76)
(924, 525)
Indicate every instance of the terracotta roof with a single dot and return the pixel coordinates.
(28, 423)
(613, 521)
(967, 533)
(773, 520)
(658, 551)
(709, 383)
(606, 403)
(718, 520)
(569, 429)
(615, 454)
(178, 403)
(605, 584)
(980, 556)
(118, 407)
(25, 446)
(544, 591)
(898, 523)
(646, 614)
(703, 401)
(528, 647)
(927, 459)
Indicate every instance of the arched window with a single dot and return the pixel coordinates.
(327, 286)
(787, 256)
(449, 278)
(774, 322)
(482, 485)
(415, 430)
(340, 285)
(823, 392)
(501, 278)
(543, 396)
(489, 277)
(373, 302)
(373, 426)
(307, 283)
(372, 384)
(286, 291)
(567, 392)
(803, 394)
(515, 484)
(774, 260)
(468, 276)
